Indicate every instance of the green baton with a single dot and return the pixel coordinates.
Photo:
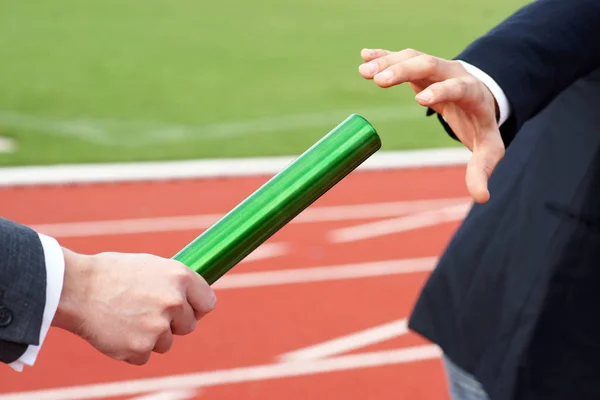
(281, 199)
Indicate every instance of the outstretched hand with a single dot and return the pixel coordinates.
(464, 101)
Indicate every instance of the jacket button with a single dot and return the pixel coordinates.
(6, 316)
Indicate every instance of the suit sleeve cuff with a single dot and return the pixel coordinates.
(55, 268)
(497, 92)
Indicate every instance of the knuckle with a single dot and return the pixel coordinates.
(430, 63)
(460, 87)
(142, 345)
(159, 327)
(410, 52)
(175, 303)
(470, 80)
(457, 65)
(181, 273)
(470, 83)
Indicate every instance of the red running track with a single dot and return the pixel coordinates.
(234, 353)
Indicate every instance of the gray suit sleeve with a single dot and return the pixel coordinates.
(22, 289)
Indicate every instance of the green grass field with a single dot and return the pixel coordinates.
(129, 80)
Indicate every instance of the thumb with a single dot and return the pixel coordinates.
(486, 156)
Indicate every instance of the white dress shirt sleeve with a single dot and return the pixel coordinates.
(496, 90)
(55, 268)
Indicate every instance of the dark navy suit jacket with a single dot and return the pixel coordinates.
(515, 297)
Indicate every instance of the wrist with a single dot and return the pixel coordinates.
(501, 104)
(77, 278)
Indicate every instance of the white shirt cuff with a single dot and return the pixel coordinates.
(55, 272)
(496, 90)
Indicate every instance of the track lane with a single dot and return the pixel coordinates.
(253, 326)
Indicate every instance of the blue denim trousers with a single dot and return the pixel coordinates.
(462, 386)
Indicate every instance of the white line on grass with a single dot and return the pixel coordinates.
(327, 273)
(213, 168)
(202, 221)
(119, 132)
(79, 129)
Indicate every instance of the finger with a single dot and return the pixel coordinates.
(417, 68)
(371, 54)
(164, 343)
(184, 322)
(201, 296)
(451, 90)
(138, 359)
(486, 157)
(476, 182)
(373, 67)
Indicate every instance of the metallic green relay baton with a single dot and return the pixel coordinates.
(281, 199)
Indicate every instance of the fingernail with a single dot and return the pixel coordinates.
(369, 68)
(426, 95)
(213, 301)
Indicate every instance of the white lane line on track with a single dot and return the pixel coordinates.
(323, 274)
(235, 375)
(203, 221)
(175, 394)
(312, 360)
(347, 343)
(401, 224)
(267, 250)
